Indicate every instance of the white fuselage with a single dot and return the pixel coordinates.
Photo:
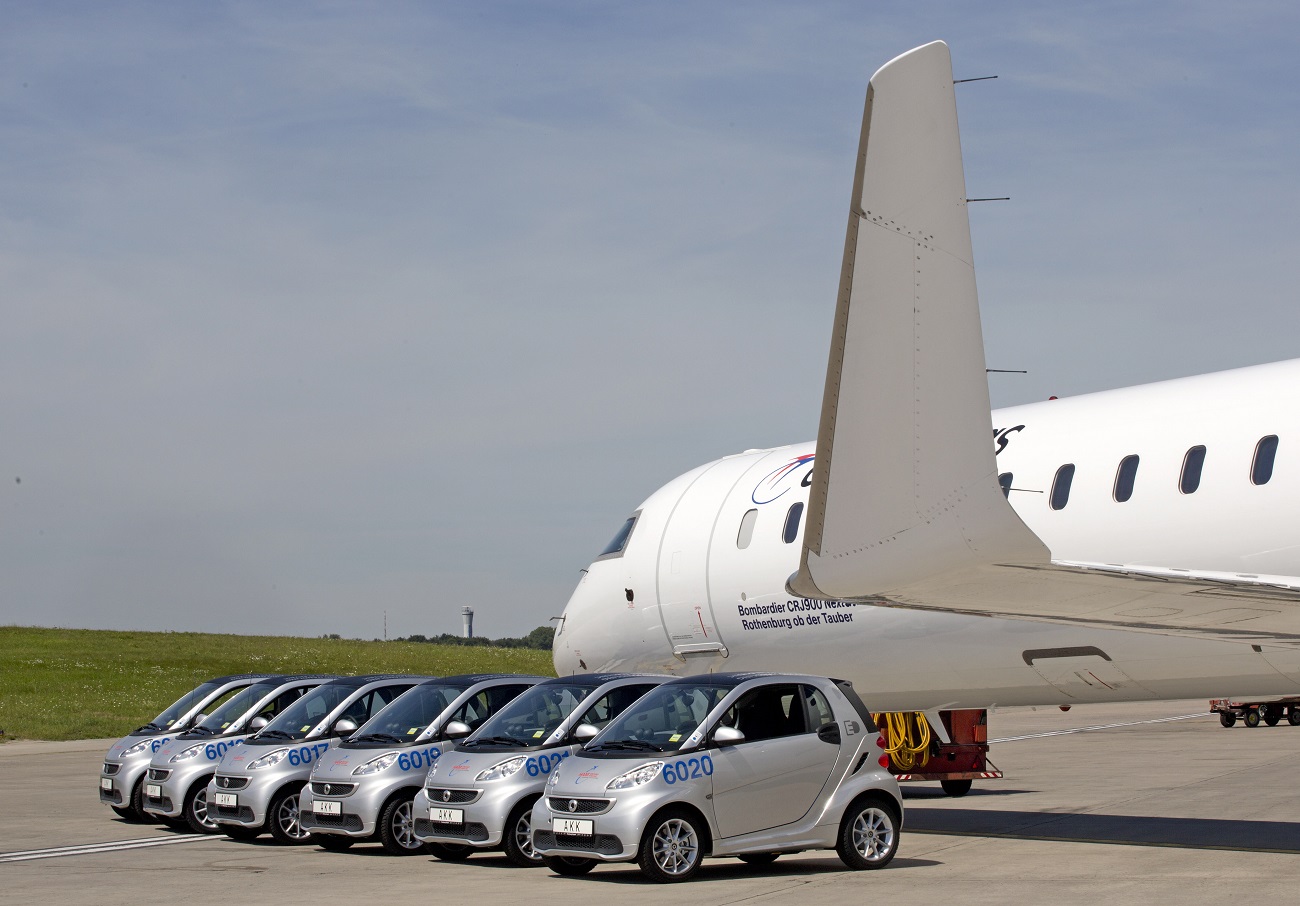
(708, 582)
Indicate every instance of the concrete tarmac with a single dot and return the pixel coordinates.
(1144, 810)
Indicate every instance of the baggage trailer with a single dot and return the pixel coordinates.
(1252, 714)
(915, 752)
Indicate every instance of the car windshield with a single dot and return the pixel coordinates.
(178, 708)
(297, 720)
(410, 715)
(221, 719)
(531, 717)
(663, 719)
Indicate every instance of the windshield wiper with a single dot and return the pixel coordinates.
(275, 734)
(150, 726)
(497, 741)
(377, 737)
(202, 731)
(633, 745)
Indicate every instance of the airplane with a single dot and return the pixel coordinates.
(1133, 544)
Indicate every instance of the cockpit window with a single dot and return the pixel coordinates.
(616, 547)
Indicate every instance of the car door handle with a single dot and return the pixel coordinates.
(829, 733)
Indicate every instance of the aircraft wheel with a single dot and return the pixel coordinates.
(1293, 716)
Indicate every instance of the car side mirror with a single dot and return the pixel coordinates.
(257, 723)
(344, 727)
(198, 719)
(456, 729)
(728, 736)
(583, 732)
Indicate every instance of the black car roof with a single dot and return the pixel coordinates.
(721, 679)
(359, 681)
(598, 679)
(238, 676)
(465, 680)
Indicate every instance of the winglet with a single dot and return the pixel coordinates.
(905, 486)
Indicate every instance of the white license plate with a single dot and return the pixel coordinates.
(324, 807)
(575, 826)
(447, 815)
(153, 790)
(226, 800)
(106, 784)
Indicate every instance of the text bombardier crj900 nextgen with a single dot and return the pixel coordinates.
(1132, 544)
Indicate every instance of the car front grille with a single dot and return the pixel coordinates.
(113, 796)
(471, 831)
(226, 782)
(442, 795)
(159, 774)
(110, 769)
(342, 822)
(605, 844)
(242, 813)
(561, 805)
(163, 803)
(332, 789)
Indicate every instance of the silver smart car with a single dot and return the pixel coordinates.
(121, 779)
(257, 784)
(364, 790)
(480, 795)
(176, 785)
(742, 764)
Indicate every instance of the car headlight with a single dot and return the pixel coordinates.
(268, 759)
(554, 779)
(138, 747)
(636, 777)
(191, 752)
(375, 765)
(503, 769)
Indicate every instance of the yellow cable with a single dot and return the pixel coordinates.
(907, 739)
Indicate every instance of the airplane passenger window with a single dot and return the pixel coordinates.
(746, 533)
(792, 523)
(1128, 469)
(1005, 481)
(1061, 486)
(1190, 479)
(1261, 470)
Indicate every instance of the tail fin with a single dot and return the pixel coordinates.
(905, 486)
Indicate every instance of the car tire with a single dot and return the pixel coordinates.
(335, 843)
(1251, 719)
(397, 828)
(239, 832)
(517, 841)
(572, 866)
(282, 817)
(195, 810)
(672, 847)
(956, 788)
(868, 833)
(133, 810)
(450, 852)
(759, 858)
(1227, 718)
(1293, 716)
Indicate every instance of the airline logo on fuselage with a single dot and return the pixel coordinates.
(774, 484)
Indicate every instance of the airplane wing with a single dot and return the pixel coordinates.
(905, 508)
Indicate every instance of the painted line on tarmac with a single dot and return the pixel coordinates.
(90, 849)
(1131, 723)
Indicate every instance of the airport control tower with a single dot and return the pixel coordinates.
(467, 616)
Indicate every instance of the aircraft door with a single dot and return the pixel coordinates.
(683, 571)
(774, 776)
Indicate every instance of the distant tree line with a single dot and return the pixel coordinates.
(540, 638)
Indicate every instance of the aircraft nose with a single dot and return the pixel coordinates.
(566, 650)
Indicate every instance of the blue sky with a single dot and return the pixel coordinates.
(317, 311)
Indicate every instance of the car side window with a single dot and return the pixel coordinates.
(611, 705)
(819, 709)
(768, 712)
(474, 711)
